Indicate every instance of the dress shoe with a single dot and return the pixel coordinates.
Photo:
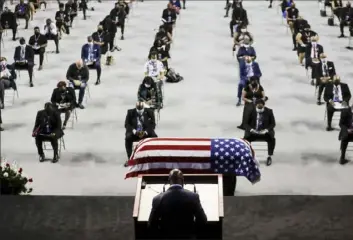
(1, 129)
(40, 68)
(98, 82)
(55, 159)
(41, 158)
(241, 127)
(343, 161)
(329, 128)
(318, 102)
(126, 164)
(341, 36)
(81, 106)
(238, 104)
(31, 84)
(122, 37)
(269, 161)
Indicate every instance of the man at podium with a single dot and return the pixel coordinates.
(176, 213)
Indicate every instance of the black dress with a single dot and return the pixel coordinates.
(253, 94)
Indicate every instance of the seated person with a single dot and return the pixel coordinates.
(246, 50)
(139, 124)
(38, 42)
(292, 15)
(251, 93)
(239, 17)
(7, 79)
(63, 99)
(110, 28)
(176, 5)
(71, 8)
(169, 18)
(298, 26)
(51, 33)
(346, 133)
(1, 128)
(47, 127)
(164, 36)
(312, 53)
(241, 35)
(90, 55)
(260, 126)
(336, 96)
(9, 21)
(303, 38)
(33, 6)
(323, 73)
(179, 207)
(24, 59)
(22, 11)
(62, 20)
(78, 75)
(162, 53)
(248, 69)
(346, 18)
(101, 38)
(285, 4)
(336, 8)
(155, 69)
(149, 93)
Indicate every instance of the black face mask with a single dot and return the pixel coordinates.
(36, 33)
(100, 30)
(336, 82)
(22, 42)
(254, 85)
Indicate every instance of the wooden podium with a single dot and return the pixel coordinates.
(208, 186)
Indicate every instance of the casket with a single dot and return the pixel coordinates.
(194, 156)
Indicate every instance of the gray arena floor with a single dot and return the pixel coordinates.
(306, 157)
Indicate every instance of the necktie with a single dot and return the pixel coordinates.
(22, 52)
(325, 70)
(315, 52)
(140, 122)
(335, 99)
(260, 122)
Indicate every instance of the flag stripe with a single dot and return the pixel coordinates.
(168, 165)
(176, 148)
(170, 154)
(177, 143)
(167, 170)
(163, 159)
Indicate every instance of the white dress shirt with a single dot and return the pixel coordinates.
(154, 68)
(49, 30)
(325, 69)
(337, 93)
(314, 52)
(23, 52)
(249, 70)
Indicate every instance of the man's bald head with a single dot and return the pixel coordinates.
(176, 177)
(79, 64)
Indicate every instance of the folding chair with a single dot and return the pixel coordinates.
(13, 95)
(260, 148)
(18, 72)
(336, 117)
(349, 47)
(73, 117)
(47, 145)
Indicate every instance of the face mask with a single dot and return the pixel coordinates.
(100, 30)
(246, 45)
(90, 43)
(139, 111)
(147, 85)
(336, 82)
(243, 30)
(323, 60)
(259, 109)
(248, 60)
(3, 63)
(36, 32)
(23, 45)
(254, 85)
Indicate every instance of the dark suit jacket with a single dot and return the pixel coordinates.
(345, 123)
(8, 20)
(173, 213)
(96, 52)
(22, 9)
(54, 122)
(320, 49)
(70, 96)
(317, 71)
(29, 54)
(346, 93)
(269, 121)
(73, 73)
(149, 122)
(169, 13)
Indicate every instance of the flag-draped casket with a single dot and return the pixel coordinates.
(193, 156)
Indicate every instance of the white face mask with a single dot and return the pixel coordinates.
(243, 30)
(23, 45)
(3, 63)
(139, 111)
(259, 110)
(323, 60)
(90, 43)
(246, 45)
(147, 85)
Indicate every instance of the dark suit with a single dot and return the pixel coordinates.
(328, 95)
(7, 82)
(23, 11)
(173, 213)
(269, 124)
(54, 121)
(102, 37)
(318, 72)
(345, 135)
(38, 41)
(9, 21)
(96, 55)
(308, 50)
(29, 57)
(73, 73)
(131, 124)
(169, 17)
(67, 96)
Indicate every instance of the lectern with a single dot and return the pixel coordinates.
(208, 186)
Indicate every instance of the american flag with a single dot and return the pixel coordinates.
(194, 155)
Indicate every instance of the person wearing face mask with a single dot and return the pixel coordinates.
(251, 93)
(78, 75)
(346, 18)
(8, 20)
(303, 38)
(177, 5)
(240, 36)
(260, 126)
(71, 8)
(155, 69)
(313, 51)
(62, 20)
(346, 132)
(336, 7)
(63, 99)
(162, 53)
(7, 79)
(246, 50)
(38, 42)
(22, 11)
(169, 18)
(323, 73)
(336, 96)
(90, 55)
(285, 4)
(47, 127)
(164, 36)
(139, 124)
(51, 33)
(292, 15)
(24, 59)
(118, 15)
(239, 17)
(149, 93)
(101, 38)
(248, 69)
(298, 26)
(110, 27)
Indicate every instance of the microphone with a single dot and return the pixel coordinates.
(164, 187)
(194, 187)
